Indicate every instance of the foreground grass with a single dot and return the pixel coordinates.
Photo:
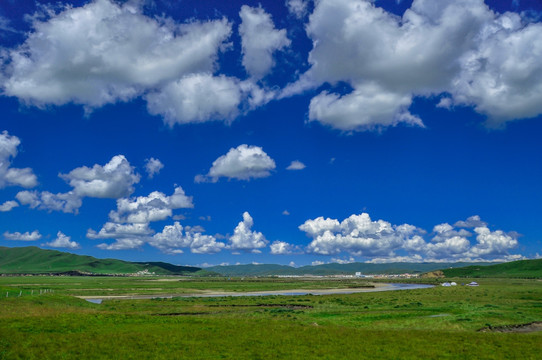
(427, 323)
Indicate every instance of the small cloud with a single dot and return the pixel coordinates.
(296, 165)
(63, 241)
(153, 167)
(286, 212)
(27, 236)
(317, 262)
(8, 206)
(292, 264)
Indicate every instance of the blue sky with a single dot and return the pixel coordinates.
(290, 132)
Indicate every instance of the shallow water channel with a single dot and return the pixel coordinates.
(382, 287)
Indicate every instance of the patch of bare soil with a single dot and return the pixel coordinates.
(515, 328)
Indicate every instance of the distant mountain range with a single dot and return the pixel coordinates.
(33, 260)
(335, 269)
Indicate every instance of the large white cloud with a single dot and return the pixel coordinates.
(174, 238)
(154, 207)
(63, 241)
(244, 238)
(259, 39)
(380, 241)
(10, 176)
(242, 163)
(282, 248)
(104, 52)
(461, 47)
(27, 236)
(357, 234)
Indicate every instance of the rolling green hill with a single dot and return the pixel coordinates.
(33, 260)
(515, 269)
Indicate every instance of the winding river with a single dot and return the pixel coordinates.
(296, 292)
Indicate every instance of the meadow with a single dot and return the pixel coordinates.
(41, 318)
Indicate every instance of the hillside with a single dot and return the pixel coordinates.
(33, 260)
(332, 269)
(515, 269)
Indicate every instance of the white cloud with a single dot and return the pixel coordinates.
(471, 222)
(8, 205)
(296, 165)
(66, 202)
(197, 98)
(153, 167)
(123, 244)
(27, 236)
(259, 39)
(368, 107)
(111, 181)
(105, 52)
(477, 57)
(174, 238)
(155, 207)
(63, 241)
(282, 248)
(350, 260)
(244, 238)
(127, 236)
(10, 176)
(298, 8)
(492, 243)
(241, 163)
(286, 212)
(113, 230)
(317, 262)
(357, 235)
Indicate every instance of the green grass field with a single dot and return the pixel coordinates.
(435, 323)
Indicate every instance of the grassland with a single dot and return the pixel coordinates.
(435, 323)
(530, 269)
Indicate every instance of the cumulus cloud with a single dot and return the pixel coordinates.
(153, 167)
(197, 98)
(63, 241)
(10, 176)
(127, 236)
(380, 241)
(461, 48)
(174, 238)
(111, 181)
(282, 248)
(27, 236)
(66, 202)
(8, 205)
(105, 52)
(259, 39)
(368, 107)
(357, 234)
(154, 207)
(244, 238)
(242, 163)
(296, 165)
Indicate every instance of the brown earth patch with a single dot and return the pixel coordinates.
(515, 328)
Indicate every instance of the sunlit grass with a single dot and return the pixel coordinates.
(431, 323)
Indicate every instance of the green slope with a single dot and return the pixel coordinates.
(33, 260)
(516, 269)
